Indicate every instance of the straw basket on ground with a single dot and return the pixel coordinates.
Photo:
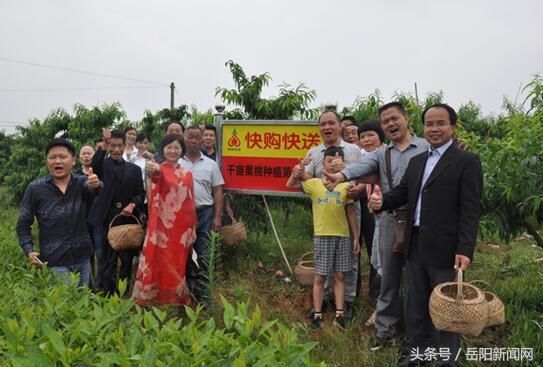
(125, 236)
(234, 233)
(304, 270)
(496, 308)
(458, 307)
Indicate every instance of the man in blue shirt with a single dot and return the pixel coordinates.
(58, 201)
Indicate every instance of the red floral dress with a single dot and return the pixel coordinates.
(171, 231)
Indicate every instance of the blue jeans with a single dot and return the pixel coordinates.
(98, 238)
(197, 275)
(83, 269)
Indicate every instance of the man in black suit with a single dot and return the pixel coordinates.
(122, 193)
(442, 188)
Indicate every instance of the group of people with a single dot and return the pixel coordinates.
(414, 203)
(176, 192)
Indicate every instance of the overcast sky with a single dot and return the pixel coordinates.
(479, 50)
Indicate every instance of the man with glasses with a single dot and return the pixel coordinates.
(442, 188)
(58, 201)
(394, 121)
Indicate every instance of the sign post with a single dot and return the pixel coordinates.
(256, 157)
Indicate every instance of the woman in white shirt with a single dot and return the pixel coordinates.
(130, 152)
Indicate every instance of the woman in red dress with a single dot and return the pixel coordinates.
(171, 230)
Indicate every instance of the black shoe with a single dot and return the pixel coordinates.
(315, 324)
(380, 342)
(340, 322)
(311, 315)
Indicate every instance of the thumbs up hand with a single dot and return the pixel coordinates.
(106, 134)
(376, 199)
(307, 159)
(331, 180)
(92, 181)
(337, 163)
(299, 168)
(151, 166)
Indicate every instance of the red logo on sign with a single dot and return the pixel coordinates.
(234, 140)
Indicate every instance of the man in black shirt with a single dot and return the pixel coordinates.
(209, 142)
(58, 201)
(122, 193)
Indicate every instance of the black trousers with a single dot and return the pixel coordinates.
(367, 229)
(107, 265)
(420, 280)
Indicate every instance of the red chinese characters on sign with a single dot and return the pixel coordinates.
(286, 141)
(255, 173)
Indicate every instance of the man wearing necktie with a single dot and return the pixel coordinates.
(442, 188)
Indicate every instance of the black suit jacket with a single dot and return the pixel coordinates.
(450, 206)
(133, 191)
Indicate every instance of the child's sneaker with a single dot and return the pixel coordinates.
(339, 321)
(316, 322)
(311, 315)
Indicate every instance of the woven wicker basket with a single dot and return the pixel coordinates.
(458, 307)
(234, 233)
(125, 236)
(304, 271)
(496, 308)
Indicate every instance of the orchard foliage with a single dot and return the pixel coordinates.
(154, 125)
(512, 157)
(291, 103)
(44, 324)
(27, 147)
(22, 155)
(509, 144)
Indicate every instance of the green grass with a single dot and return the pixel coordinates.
(45, 323)
(246, 273)
(509, 269)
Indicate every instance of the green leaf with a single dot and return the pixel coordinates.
(228, 314)
(56, 340)
(149, 321)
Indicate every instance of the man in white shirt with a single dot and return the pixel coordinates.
(330, 128)
(209, 200)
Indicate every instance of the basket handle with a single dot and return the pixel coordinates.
(229, 211)
(118, 215)
(303, 256)
(459, 281)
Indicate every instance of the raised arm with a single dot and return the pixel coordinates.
(367, 164)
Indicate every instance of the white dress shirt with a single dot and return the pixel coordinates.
(433, 157)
